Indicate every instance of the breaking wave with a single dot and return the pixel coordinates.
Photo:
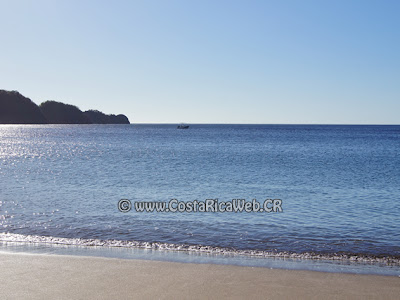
(36, 239)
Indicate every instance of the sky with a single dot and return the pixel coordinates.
(200, 61)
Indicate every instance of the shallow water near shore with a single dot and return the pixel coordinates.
(320, 265)
(339, 186)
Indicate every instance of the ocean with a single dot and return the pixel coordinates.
(339, 187)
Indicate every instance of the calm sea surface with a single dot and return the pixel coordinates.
(339, 186)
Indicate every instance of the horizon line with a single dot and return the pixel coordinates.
(188, 123)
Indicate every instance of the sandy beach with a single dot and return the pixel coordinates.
(33, 276)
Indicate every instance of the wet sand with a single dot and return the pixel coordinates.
(35, 276)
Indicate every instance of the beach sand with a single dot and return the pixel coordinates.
(35, 276)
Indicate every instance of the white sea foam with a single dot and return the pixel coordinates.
(35, 239)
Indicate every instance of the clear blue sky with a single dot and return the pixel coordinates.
(199, 61)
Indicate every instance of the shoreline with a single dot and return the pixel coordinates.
(120, 249)
(38, 276)
(97, 248)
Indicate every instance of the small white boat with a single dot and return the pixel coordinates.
(183, 126)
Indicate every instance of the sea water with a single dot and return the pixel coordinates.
(339, 186)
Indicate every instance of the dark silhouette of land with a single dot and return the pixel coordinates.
(17, 109)
(60, 113)
(97, 117)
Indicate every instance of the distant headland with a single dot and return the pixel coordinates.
(17, 109)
